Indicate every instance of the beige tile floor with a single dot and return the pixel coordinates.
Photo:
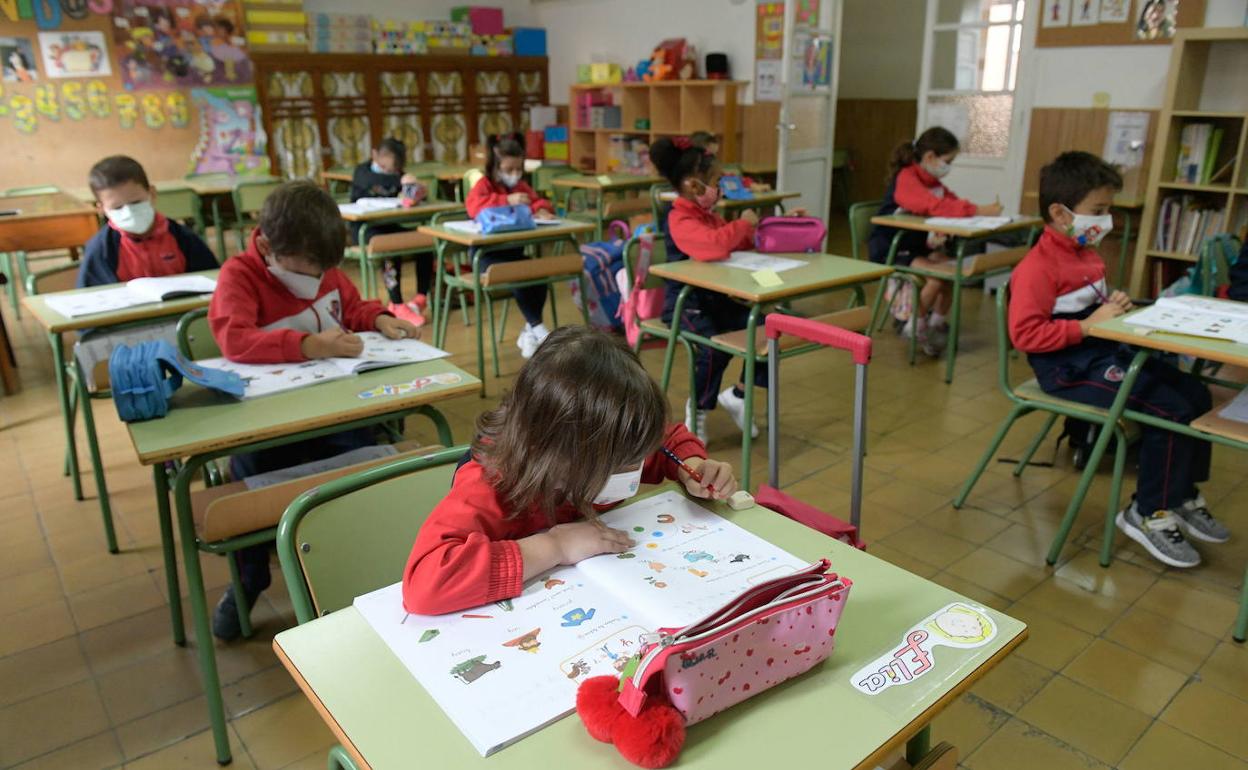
(1130, 667)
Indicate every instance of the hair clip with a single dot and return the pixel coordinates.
(682, 142)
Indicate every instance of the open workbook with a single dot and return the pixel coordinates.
(140, 291)
(379, 352)
(505, 670)
(1195, 316)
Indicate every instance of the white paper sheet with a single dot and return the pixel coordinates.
(369, 205)
(970, 223)
(753, 260)
(170, 286)
(380, 349)
(1237, 409)
(463, 226)
(92, 302)
(1192, 316)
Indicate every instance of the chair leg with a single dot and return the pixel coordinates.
(339, 759)
(955, 321)
(876, 323)
(73, 421)
(1035, 444)
(97, 465)
(502, 324)
(1241, 620)
(1115, 495)
(478, 297)
(10, 272)
(1081, 491)
(1018, 411)
(240, 596)
(489, 306)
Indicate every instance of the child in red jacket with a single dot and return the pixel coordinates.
(503, 185)
(915, 188)
(1057, 292)
(580, 429)
(284, 300)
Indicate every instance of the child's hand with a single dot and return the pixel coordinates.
(334, 343)
(989, 209)
(397, 328)
(1103, 313)
(518, 199)
(543, 214)
(582, 539)
(1121, 299)
(751, 216)
(408, 179)
(796, 212)
(714, 474)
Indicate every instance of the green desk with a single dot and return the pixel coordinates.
(203, 425)
(822, 273)
(385, 720)
(965, 235)
(398, 215)
(1208, 428)
(55, 326)
(603, 185)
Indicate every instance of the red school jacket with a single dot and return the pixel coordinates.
(920, 193)
(1054, 286)
(256, 320)
(487, 193)
(466, 553)
(703, 235)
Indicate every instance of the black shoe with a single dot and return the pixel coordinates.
(225, 625)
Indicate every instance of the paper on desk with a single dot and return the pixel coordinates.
(463, 226)
(753, 260)
(1237, 409)
(539, 222)
(88, 303)
(140, 291)
(368, 205)
(970, 223)
(165, 287)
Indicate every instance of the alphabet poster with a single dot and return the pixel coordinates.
(74, 54)
(180, 43)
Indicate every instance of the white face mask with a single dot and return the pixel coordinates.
(940, 170)
(134, 218)
(1089, 230)
(302, 286)
(509, 180)
(619, 486)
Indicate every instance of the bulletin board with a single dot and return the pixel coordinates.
(89, 84)
(1112, 22)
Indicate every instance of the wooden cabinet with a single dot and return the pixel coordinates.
(328, 110)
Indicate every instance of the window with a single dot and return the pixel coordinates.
(971, 70)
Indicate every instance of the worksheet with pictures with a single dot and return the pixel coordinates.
(573, 622)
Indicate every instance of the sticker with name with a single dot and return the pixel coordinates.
(955, 625)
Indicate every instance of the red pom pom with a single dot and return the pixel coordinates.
(598, 703)
(653, 739)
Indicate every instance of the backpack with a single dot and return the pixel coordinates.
(600, 261)
(899, 294)
(639, 304)
(778, 235)
(143, 378)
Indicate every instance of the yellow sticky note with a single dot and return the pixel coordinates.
(604, 179)
(767, 278)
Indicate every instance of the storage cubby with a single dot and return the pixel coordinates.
(636, 107)
(696, 108)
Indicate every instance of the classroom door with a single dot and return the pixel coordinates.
(812, 31)
(976, 82)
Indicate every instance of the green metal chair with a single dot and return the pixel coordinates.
(353, 535)
(1027, 397)
(248, 196)
(393, 246)
(657, 205)
(195, 340)
(860, 226)
(181, 204)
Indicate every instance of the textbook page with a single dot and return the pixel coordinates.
(91, 302)
(380, 351)
(753, 260)
(1194, 302)
(165, 287)
(970, 223)
(1193, 320)
(267, 379)
(463, 226)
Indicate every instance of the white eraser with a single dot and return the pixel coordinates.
(740, 500)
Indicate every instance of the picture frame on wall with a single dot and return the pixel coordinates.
(17, 60)
(1115, 11)
(75, 54)
(1085, 13)
(1056, 13)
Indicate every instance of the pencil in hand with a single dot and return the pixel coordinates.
(685, 467)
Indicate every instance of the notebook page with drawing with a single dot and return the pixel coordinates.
(573, 622)
(1196, 317)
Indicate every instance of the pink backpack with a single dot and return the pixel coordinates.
(778, 235)
(639, 304)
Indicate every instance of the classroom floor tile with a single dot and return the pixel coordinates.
(1129, 667)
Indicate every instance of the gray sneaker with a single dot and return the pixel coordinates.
(1160, 535)
(1197, 522)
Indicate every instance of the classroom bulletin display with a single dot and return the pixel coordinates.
(153, 79)
(1114, 22)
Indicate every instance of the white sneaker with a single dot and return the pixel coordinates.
(695, 421)
(527, 342)
(735, 407)
(539, 332)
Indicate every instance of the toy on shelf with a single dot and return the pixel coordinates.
(605, 73)
(673, 59)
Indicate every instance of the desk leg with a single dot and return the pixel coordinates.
(1240, 632)
(919, 745)
(199, 608)
(955, 315)
(672, 333)
(97, 466)
(438, 279)
(747, 437)
(478, 297)
(222, 254)
(1098, 451)
(62, 392)
(161, 482)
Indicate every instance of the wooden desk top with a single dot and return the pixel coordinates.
(821, 273)
(400, 213)
(342, 665)
(542, 232)
(58, 204)
(911, 222)
(338, 174)
(1120, 330)
(617, 181)
(56, 323)
(201, 420)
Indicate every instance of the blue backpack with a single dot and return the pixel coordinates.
(505, 219)
(143, 378)
(601, 260)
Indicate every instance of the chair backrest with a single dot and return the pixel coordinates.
(471, 177)
(181, 204)
(657, 204)
(658, 255)
(249, 195)
(353, 535)
(1004, 345)
(195, 340)
(61, 278)
(860, 226)
(40, 189)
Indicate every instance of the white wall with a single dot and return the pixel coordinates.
(881, 50)
(626, 31)
(1134, 76)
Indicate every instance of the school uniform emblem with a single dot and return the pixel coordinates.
(1114, 373)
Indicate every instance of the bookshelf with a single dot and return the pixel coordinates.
(648, 111)
(1207, 86)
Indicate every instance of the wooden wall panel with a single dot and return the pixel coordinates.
(869, 129)
(760, 142)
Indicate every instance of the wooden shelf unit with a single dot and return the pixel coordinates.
(673, 107)
(1207, 83)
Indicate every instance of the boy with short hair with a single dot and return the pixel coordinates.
(284, 301)
(138, 241)
(1057, 293)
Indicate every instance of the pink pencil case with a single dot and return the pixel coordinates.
(766, 635)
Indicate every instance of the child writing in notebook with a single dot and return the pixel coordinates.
(503, 185)
(583, 425)
(915, 188)
(382, 177)
(1057, 293)
(284, 300)
(137, 241)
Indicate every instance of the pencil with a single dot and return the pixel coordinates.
(685, 467)
(1103, 298)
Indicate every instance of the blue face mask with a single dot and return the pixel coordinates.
(376, 168)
